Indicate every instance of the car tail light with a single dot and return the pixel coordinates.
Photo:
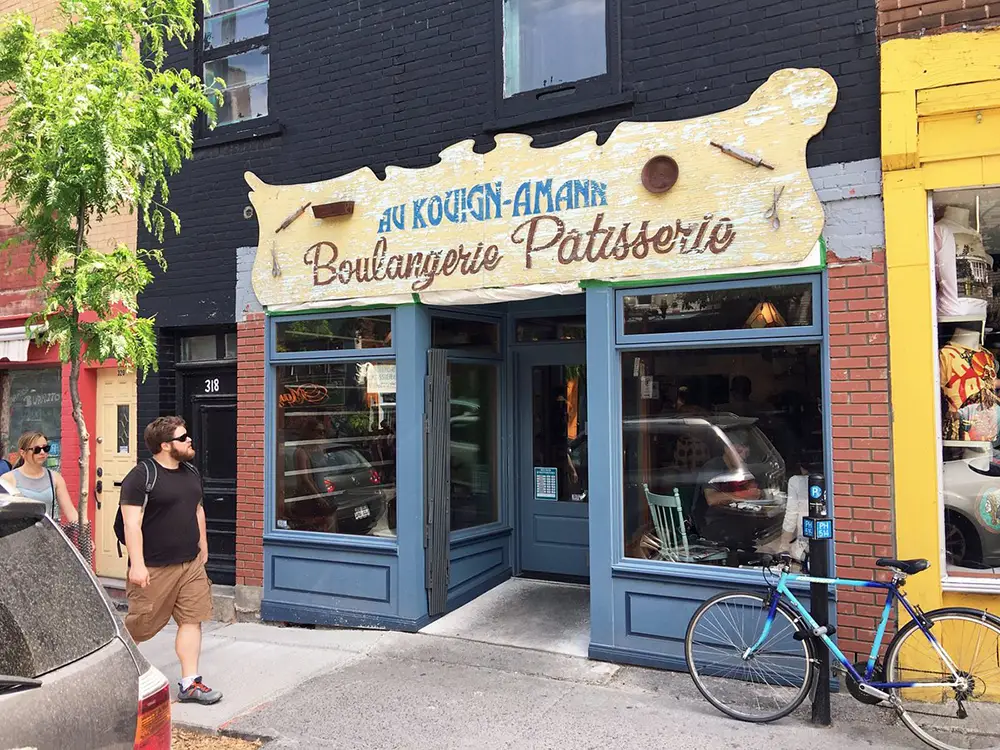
(376, 479)
(735, 487)
(152, 728)
(330, 486)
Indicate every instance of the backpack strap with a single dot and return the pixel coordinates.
(150, 484)
(52, 489)
(150, 481)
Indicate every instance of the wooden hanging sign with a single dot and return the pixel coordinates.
(724, 193)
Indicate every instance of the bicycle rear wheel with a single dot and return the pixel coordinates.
(965, 716)
(768, 685)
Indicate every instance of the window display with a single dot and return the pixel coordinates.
(36, 404)
(718, 446)
(965, 244)
(336, 447)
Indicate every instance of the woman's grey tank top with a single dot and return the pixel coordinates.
(39, 488)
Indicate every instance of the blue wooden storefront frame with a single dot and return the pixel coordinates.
(338, 579)
(637, 607)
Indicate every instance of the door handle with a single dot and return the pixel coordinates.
(99, 487)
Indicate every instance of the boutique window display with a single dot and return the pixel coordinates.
(966, 251)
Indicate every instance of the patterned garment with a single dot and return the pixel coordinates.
(968, 382)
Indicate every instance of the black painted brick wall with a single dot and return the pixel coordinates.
(366, 83)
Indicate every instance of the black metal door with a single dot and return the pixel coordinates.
(210, 406)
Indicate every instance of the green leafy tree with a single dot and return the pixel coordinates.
(92, 125)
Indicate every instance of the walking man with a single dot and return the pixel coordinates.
(168, 549)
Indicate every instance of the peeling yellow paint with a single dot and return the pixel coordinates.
(588, 215)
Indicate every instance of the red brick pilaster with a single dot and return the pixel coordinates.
(862, 470)
(250, 500)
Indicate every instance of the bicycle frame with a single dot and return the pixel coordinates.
(892, 594)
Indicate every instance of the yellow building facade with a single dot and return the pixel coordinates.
(941, 174)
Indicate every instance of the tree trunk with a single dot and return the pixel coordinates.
(83, 538)
(84, 460)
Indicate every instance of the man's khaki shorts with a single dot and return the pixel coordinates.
(182, 590)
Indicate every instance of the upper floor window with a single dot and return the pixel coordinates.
(551, 42)
(235, 57)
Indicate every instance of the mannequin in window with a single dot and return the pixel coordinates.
(958, 255)
(968, 382)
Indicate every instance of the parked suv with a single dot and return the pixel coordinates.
(686, 453)
(70, 675)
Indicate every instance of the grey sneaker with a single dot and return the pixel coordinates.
(199, 692)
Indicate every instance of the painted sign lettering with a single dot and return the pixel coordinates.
(519, 215)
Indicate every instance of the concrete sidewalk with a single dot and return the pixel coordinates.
(317, 689)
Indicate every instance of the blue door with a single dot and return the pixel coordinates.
(552, 460)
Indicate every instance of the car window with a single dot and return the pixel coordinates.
(345, 458)
(51, 614)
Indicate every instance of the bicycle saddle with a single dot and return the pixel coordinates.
(910, 567)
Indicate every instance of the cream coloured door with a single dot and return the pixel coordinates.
(115, 454)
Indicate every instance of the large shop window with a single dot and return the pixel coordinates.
(235, 57)
(35, 404)
(965, 246)
(336, 447)
(718, 444)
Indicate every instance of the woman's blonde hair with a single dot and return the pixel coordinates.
(24, 444)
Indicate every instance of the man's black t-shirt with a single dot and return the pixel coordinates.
(169, 524)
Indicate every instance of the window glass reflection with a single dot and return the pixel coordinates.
(336, 430)
(473, 445)
(718, 446)
(547, 42)
(719, 309)
(334, 334)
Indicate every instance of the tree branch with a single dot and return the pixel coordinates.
(81, 219)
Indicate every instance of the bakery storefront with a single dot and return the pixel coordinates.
(601, 363)
(941, 164)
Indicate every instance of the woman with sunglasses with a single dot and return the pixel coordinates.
(35, 481)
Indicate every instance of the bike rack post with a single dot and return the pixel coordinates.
(818, 528)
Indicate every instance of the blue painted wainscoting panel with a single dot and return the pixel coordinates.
(562, 531)
(477, 565)
(327, 585)
(652, 614)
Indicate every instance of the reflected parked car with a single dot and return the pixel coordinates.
(70, 675)
(351, 490)
(688, 453)
(972, 512)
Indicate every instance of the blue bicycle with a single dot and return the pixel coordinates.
(754, 656)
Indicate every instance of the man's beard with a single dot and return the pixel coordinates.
(182, 454)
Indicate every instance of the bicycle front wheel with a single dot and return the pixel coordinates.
(944, 711)
(762, 687)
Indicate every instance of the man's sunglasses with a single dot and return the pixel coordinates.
(181, 438)
(41, 449)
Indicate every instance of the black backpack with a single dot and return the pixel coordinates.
(150, 483)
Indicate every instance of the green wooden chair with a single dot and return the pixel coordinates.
(668, 520)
